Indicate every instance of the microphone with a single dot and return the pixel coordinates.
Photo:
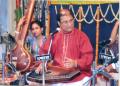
(57, 30)
(54, 33)
(105, 42)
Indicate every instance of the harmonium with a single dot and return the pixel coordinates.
(51, 78)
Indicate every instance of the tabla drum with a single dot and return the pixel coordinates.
(109, 52)
(106, 55)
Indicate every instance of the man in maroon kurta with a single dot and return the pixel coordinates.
(71, 48)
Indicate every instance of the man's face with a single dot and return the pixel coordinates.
(67, 23)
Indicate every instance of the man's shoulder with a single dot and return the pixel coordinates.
(80, 32)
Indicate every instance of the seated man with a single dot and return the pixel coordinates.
(71, 49)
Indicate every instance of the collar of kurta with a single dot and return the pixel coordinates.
(70, 33)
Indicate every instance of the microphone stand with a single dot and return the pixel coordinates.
(44, 59)
(98, 71)
(101, 69)
(43, 62)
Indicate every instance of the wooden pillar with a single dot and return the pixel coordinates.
(80, 17)
(47, 20)
(97, 35)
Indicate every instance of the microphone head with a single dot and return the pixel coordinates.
(57, 30)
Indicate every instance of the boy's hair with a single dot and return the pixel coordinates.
(36, 22)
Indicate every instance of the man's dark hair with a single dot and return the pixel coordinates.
(36, 22)
(59, 14)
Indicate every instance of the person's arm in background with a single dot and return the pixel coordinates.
(19, 26)
(113, 37)
(114, 32)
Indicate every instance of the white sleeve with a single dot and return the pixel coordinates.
(113, 65)
(116, 66)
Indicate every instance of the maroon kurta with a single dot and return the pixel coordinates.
(74, 45)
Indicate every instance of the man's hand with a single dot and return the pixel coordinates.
(21, 21)
(69, 63)
(39, 69)
(109, 68)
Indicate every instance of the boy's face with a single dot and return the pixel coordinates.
(36, 30)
